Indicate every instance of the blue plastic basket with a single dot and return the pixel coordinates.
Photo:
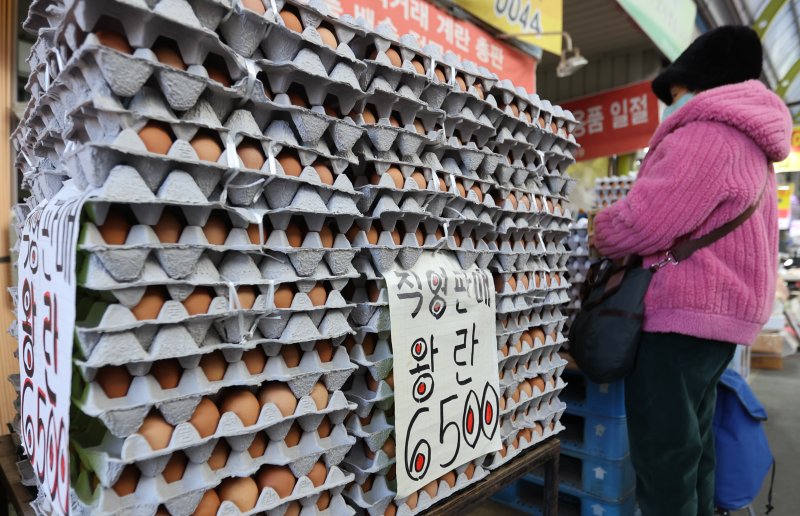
(604, 437)
(607, 399)
(527, 496)
(611, 480)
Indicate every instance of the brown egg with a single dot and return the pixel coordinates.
(438, 234)
(319, 393)
(394, 122)
(324, 500)
(293, 509)
(175, 468)
(113, 39)
(214, 366)
(391, 510)
(419, 177)
(526, 388)
(397, 177)
(198, 302)
(325, 428)
(254, 234)
(328, 37)
(157, 137)
(470, 471)
(219, 74)
(394, 57)
(324, 350)
(537, 383)
(538, 334)
(525, 202)
(318, 294)
(541, 122)
(419, 127)
(396, 238)
(432, 488)
(279, 394)
(284, 295)
(259, 445)
(366, 486)
(450, 478)
(368, 344)
(169, 227)
(128, 480)
(324, 172)
(526, 339)
(442, 185)
(439, 73)
(243, 492)
(255, 360)
(479, 91)
(294, 435)
(254, 5)
(207, 146)
(412, 500)
(297, 99)
(389, 447)
(461, 190)
(462, 84)
(209, 504)
(372, 383)
(167, 372)
(515, 110)
(169, 55)
(247, 295)
(369, 117)
(512, 282)
(243, 403)
(295, 235)
(291, 21)
(216, 229)
(150, 305)
(115, 228)
(372, 235)
(478, 192)
(499, 284)
(502, 403)
(420, 236)
(219, 455)
(251, 154)
(528, 117)
(205, 418)
(516, 395)
(291, 354)
(279, 478)
(156, 431)
(114, 380)
(290, 163)
(326, 236)
(318, 474)
(538, 428)
(553, 127)
(418, 66)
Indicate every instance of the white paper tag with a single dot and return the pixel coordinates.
(445, 368)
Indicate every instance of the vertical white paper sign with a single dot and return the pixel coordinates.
(445, 368)
(46, 321)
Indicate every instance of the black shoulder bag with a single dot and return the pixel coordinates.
(604, 337)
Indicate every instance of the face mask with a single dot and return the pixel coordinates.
(686, 97)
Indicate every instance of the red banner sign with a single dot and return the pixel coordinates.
(433, 25)
(617, 121)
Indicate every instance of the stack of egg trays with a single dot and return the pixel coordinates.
(577, 265)
(159, 185)
(608, 190)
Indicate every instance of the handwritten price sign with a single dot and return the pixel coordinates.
(445, 368)
(46, 319)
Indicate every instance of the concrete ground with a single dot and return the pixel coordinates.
(779, 391)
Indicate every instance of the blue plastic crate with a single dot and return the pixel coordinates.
(610, 480)
(604, 437)
(606, 399)
(527, 497)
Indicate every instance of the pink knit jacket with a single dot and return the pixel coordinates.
(707, 163)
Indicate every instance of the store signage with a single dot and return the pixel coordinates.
(668, 23)
(792, 162)
(46, 320)
(432, 24)
(445, 368)
(616, 121)
(785, 193)
(515, 16)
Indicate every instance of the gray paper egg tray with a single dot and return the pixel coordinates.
(301, 328)
(279, 269)
(373, 435)
(144, 390)
(529, 353)
(469, 159)
(335, 309)
(362, 466)
(511, 380)
(527, 417)
(130, 446)
(365, 399)
(379, 363)
(181, 501)
(496, 460)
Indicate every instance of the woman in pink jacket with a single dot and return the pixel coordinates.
(708, 162)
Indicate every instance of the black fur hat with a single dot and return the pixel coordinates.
(725, 55)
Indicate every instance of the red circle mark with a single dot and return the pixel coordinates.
(470, 421)
(421, 388)
(435, 281)
(418, 348)
(419, 463)
(489, 413)
(436, 306)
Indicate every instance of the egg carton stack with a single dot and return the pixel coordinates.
(536, 143)
(608, 190)
(577, 265)
(214, 141)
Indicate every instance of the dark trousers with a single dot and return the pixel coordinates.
(670, 398)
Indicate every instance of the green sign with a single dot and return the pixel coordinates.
(668, 23)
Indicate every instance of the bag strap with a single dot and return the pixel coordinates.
(687, 248)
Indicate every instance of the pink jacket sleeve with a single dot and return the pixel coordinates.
(679, 186)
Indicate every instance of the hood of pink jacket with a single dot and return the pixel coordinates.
(747, 106)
